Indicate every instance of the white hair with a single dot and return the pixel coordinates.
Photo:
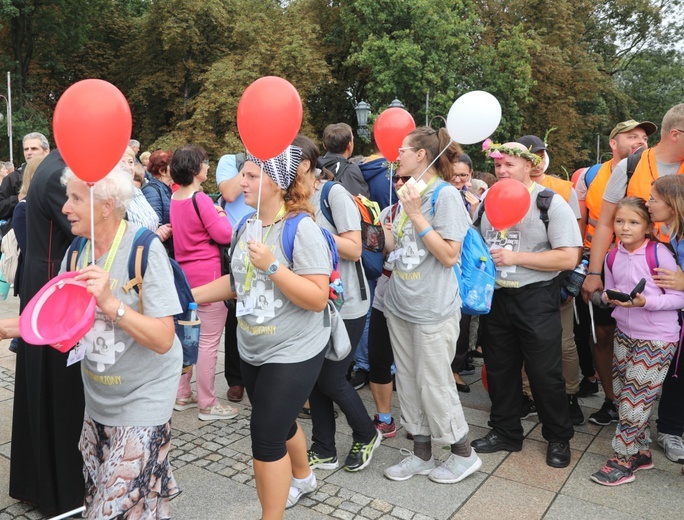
(116, 186)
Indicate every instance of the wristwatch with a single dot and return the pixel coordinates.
(271, 269)
(120, 312)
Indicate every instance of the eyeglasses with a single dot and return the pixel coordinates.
(462, 175)
(404, 148)
(402, 178)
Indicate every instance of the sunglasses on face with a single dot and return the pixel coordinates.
(402, 178)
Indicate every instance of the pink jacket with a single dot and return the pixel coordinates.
(657, 320)
(199, 259)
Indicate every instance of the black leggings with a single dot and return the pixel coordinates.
(380, 355)
(277, 392)
(332, 386)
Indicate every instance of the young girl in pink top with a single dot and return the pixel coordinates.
(197, 227)
(646, 339)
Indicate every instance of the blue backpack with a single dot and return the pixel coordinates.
(287, 245)
(476, 273)
(137, 265)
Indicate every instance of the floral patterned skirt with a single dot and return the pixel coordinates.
(127, 471)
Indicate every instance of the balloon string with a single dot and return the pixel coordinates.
(261, 179)
(435, 159)
(92, 221)
(390, 189)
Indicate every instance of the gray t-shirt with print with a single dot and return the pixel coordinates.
(530, 235)
(125, 383)
(347, 218)
(277, 330)
(422, 289)
(616, 188)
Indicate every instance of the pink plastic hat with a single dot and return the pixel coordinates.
(60, 314)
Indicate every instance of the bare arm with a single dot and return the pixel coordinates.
(583, 216)
(349, 245)
(216, 291)
(559, 259)
(230, 189)
(600, 243)
(156, 334)
(9, 328)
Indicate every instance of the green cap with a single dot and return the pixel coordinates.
(631, 124)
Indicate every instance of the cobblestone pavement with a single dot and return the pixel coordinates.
(212, 463)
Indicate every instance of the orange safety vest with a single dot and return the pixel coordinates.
(645, 174)
(560, 186)
(594, 200)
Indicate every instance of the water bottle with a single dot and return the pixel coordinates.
(191, 328)
(573, 283)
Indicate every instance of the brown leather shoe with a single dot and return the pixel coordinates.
(236, 393)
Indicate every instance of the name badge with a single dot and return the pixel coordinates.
(76, 354)
(244, 306)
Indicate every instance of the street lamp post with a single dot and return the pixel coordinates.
(395, 103)
(8, 102)
(363, 110)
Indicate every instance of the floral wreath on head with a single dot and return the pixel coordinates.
(496, 151)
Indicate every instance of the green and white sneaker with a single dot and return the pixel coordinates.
(410, 466)
(318, 462)
(361, 454)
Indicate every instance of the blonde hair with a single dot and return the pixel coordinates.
(31, 167)
(671, 190)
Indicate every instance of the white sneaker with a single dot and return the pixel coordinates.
(300, 488)
(410, 466)
(673, 446)
(218, 411)
(455, 468)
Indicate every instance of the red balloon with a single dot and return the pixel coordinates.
(389, 130)
(506, 203)
(92, 126)
(576, 176)
(269, 116)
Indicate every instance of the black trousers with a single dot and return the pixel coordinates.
(331, 387)
(232, 373)
(524, 325)
(602, 318)
(671, 407)
(462, 344)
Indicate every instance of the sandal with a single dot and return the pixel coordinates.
(185, 403)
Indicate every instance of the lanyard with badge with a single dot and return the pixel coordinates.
(403, 219)
(78, 353)
(246, 304)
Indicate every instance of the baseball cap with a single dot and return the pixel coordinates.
(631, 124)
(532, 143)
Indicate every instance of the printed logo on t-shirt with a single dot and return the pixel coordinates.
(499, 240)
(262, 290)
(411, 253)
(101, 346)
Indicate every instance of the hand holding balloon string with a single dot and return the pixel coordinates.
(260, 255)
(98, 284)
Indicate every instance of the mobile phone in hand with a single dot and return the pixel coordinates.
(617, 295)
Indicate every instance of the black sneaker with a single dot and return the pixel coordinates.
(528, 408)
(587, 388)
(359, 378)
(606, 415)
(361, 454)
(576, 415)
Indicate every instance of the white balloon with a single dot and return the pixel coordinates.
(546, 161)
(473, 117)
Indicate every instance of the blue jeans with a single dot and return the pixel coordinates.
(361, 356)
